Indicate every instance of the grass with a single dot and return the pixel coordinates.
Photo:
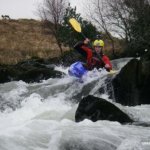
(23, 39)
(26, 38)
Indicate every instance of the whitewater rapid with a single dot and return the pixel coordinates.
(40, 116)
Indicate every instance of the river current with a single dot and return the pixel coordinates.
(40, 116)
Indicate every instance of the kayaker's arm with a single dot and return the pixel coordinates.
(108, 65)
(85, 51)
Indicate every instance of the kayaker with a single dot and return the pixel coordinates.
(95, 59)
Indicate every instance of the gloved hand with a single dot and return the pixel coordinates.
(86, 41)
(107, 66)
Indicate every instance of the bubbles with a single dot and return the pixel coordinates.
(11, 95)
(43, 113)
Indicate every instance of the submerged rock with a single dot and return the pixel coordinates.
(94, 108)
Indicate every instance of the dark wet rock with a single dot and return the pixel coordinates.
(132, 84)
(37, 74)
(94, 108)
(33, 70)
(36, 69)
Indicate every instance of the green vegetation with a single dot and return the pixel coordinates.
(139, 24)
(71, 37)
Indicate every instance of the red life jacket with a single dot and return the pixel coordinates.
(93, 61)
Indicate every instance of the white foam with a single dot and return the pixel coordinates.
(44, 118)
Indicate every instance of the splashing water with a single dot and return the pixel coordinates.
(40, 116)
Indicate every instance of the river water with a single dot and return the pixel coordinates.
(40, 116)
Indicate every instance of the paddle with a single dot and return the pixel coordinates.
(77, 27)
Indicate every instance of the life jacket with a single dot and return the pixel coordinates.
(95, 63)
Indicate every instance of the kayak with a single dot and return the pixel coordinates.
(78, 70)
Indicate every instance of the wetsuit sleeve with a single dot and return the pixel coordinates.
(88, 54)
(107, 62)
(84, 51)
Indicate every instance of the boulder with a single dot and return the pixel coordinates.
(95, 108)
(33, 70)
(132, 85)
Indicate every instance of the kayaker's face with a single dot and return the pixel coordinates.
(98, 49)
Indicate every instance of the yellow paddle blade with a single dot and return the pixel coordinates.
(75, 24)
